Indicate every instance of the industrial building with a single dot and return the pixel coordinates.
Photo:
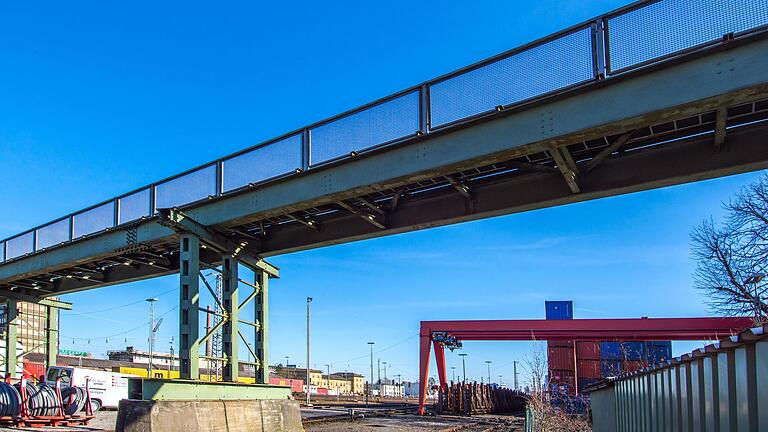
(32, 325)
(573, 365)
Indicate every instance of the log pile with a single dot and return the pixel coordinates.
(474, 398)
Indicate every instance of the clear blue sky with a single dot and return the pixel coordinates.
(101, 98)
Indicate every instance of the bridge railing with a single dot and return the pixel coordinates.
(641, 34)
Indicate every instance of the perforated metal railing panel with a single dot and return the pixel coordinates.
(382, 123)
(666, 27)
(553, 65)
(272, 160)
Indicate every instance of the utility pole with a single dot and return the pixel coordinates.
(453, 373)
(463, 366)
(329, 375)
(309, 300)
(370, 384)
(500, 383)
(151, 301)
(378, 374)
(488, 362)
(514, 368)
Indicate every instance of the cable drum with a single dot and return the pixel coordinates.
(74, 399)
(10, 400)
(42, 400)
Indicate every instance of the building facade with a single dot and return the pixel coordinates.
(32, 327)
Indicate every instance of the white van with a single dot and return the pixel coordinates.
(106, 388)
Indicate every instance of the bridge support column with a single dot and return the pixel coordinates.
(230, 330)
(189, 304)
(11, 337)
(51, 336)
(261, 303)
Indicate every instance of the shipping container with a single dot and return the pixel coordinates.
(658, 353)
(588, 350)
(560, 358)
(589, 368)
(611, 350)
(561, 343)
(559, 310)
(611, 368)
(634, 365)
(633, 350)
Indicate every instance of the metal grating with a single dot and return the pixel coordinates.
(134, 206)
(93, 220)
(52, 234)
(553, 65)
(20, 245)
(186, 189)
(666, 27)
(380, 124)
(263, 163)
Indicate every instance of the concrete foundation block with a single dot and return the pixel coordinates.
(209, 416)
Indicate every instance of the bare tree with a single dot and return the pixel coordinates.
(732, 256)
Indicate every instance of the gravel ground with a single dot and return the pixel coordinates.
(414, 423)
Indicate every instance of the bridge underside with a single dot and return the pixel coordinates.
(673, 123)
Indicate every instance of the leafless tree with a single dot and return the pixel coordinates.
(732, 256)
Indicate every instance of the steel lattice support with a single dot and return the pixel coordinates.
(11, 336)
(230, 343)
(189, 303)
(261, 304)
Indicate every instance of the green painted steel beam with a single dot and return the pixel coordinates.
(243, 250)
(51, 336)
(157, 389)
(189, 303)
(230, 339)
(261, 332)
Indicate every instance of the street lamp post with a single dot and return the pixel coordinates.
(488, 362)
(463, 366)
(309, 300)
(151, 301)
(369, 393)
(453, 373)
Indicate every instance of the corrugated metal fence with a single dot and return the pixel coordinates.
(718, 388)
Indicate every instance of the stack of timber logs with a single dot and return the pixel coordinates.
(474, 398)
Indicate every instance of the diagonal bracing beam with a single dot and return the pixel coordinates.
(179, 221)
(615, 146)
(567, 167)
(370, 218)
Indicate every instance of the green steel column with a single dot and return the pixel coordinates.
(11, 338)
(262, 319)
(51, 336)
(231, 307)
(189, 299)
